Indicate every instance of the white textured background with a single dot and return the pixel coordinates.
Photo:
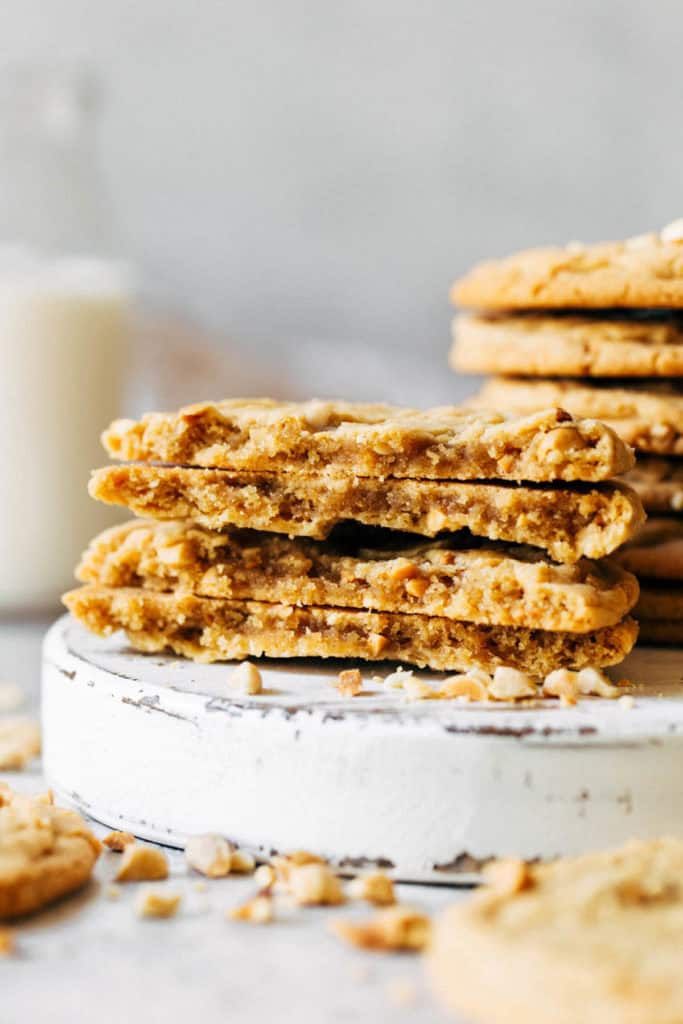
(304, 179)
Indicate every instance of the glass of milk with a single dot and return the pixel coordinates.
(64, 328)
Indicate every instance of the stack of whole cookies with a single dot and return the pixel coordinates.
(596, 330)
(278, 529)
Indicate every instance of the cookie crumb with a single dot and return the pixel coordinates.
(259, 910)
(315, 885)
(118, 841)
(397, 927)
(209, 854)
(246, 679)
(142, 864)
(375, 888)
(156, 903)
(349, 683)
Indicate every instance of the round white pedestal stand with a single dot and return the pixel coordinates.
(158, 746)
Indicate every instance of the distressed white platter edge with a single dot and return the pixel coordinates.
(154, 745)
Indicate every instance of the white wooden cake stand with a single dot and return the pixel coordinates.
(156, 745)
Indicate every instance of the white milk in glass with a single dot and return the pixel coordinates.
(63, 348)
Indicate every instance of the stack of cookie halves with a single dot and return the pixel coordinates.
(445, 539)
(596, 330)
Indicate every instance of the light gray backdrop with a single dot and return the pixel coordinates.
(305, 178)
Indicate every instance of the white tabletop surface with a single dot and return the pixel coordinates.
(92, 958)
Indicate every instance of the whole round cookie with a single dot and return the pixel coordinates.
(568, 345)
(641, 272)
(594, 939)
(45, 852)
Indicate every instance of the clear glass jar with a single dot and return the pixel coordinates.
(64, 326)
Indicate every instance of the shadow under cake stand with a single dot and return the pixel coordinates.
(427, 790)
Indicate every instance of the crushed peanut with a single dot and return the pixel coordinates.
(246, 678)
(593, 681)
(142, 864)
(563, 684)
(118, 841)
(396, 680)
(673, 232)
(416, 586)
(627, 702)
(242, 863)
(377, 642)
(265, 876)
(283, 864)
(315, 885)
(375, 888)
(6, 942)
(468, 685)
(511, 684)
(417, 689)
(210, 855)
(156, 903)
(350, 682)
(256, 911)
(403, 569)
(507, 876)
(396, 927)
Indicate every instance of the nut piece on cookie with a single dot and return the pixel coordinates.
(153, 902)
(395, 928)
(246, 679)
(315, 885)
(142, 864)
(210, 854)
(375, 888)
(349, 683)
(118, 841)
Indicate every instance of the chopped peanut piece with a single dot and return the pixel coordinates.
(210, 855)
(394, 928)
(242, 863)
(315, 885)
(463, 686)
(265, 876)
(593, 681)
(507, 876)
(246, 678)
(416, 586)
(142, 864)
(377, 642)
(156, 903)
(350, 683)
(511, 684)
(417, 689)
(284, 863)
(256, 911)
(563, 684)
(6, 942)
(403, 569)
(118, 841)
(396, 680)
(375, 888)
